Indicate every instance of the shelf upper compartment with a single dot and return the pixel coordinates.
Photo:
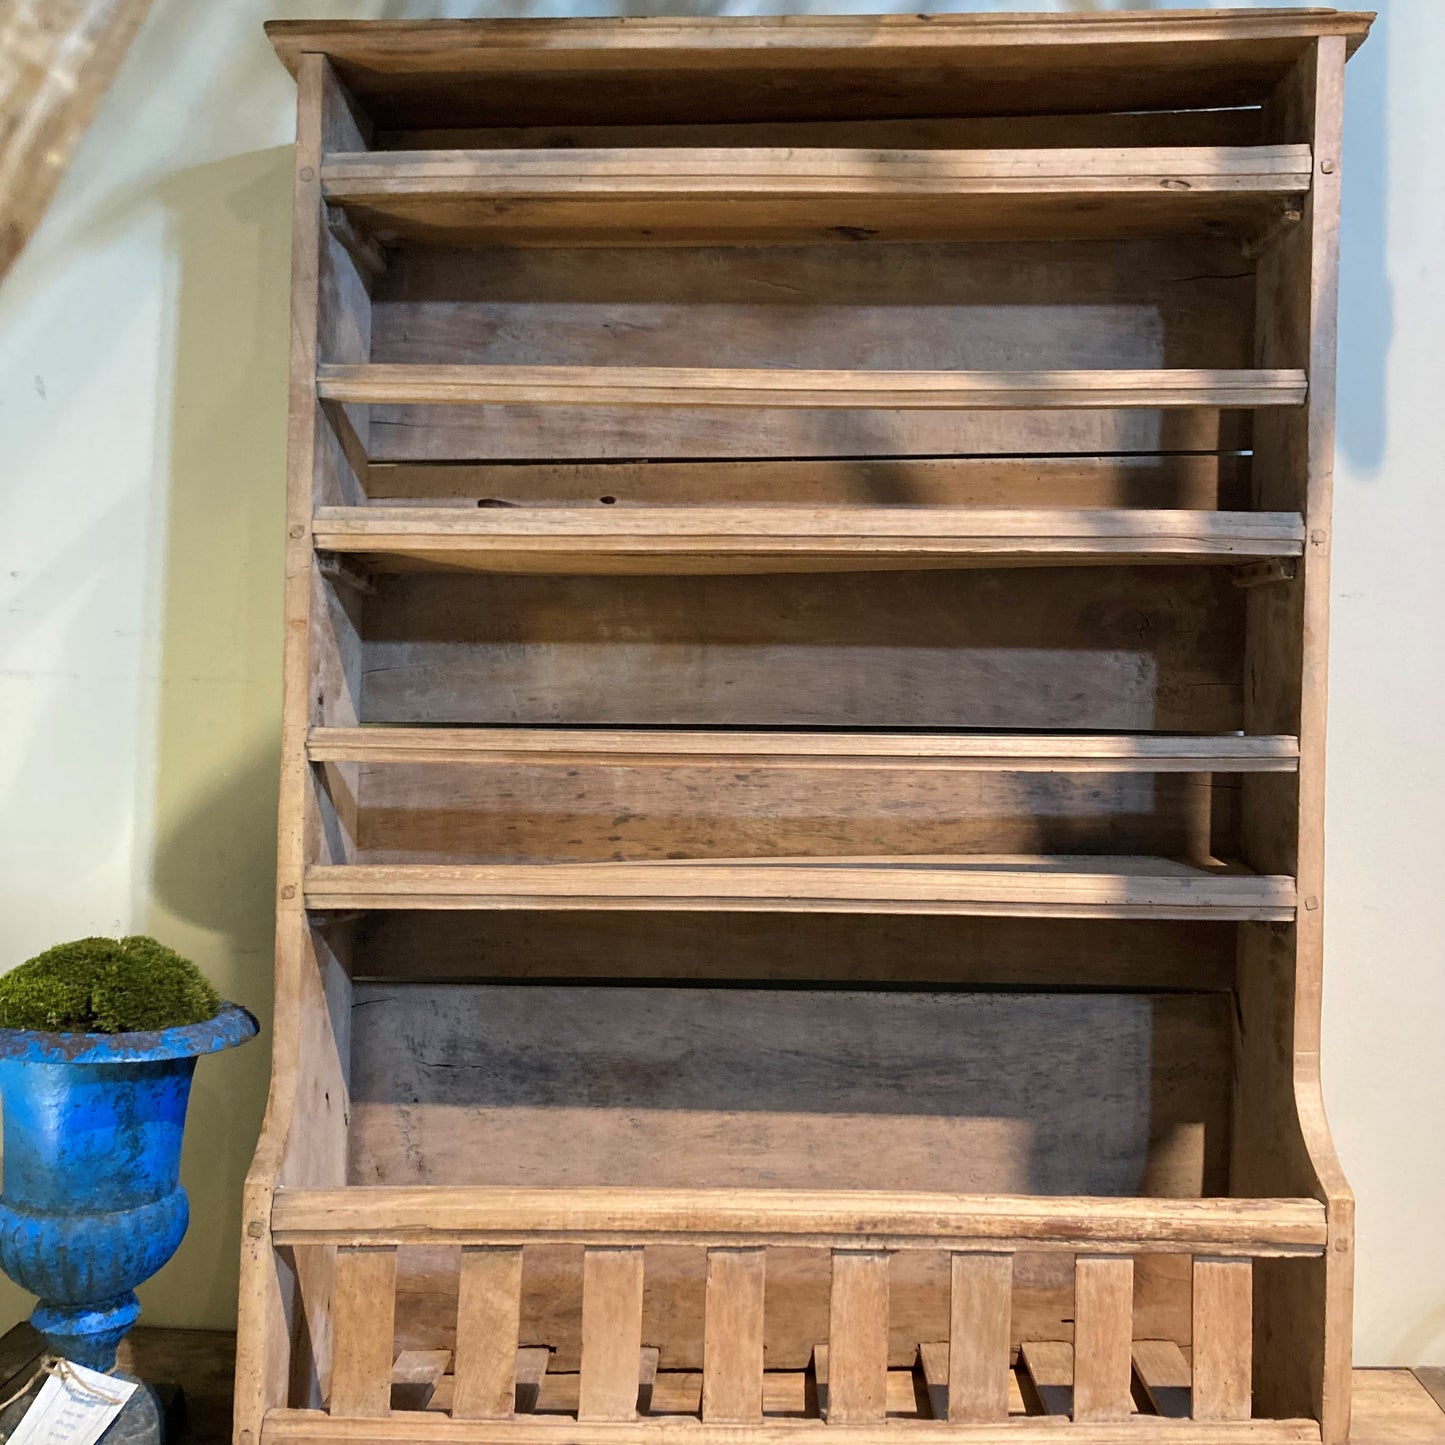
(382, 383)
(1014, 885)
(729, 540)
(677, 195)
(738, 748)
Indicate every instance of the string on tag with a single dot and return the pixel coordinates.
(65, 1372)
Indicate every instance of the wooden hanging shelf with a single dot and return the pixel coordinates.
(753, 960)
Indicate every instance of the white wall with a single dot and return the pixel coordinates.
(143, 348)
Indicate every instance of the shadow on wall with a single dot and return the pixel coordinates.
(217, 731)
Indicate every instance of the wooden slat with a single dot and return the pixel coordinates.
(699, 193)
(666, 748)
(740, 1218)
(387, 383)
(1094, 887)
(1103, 1334)
(642, 540)
(415, 1375)
(363, 1306)
(978, 1331)
(481, 47)
(1223, 1338)
(1050, 1368)
(489, 1309)
(304, 1427)
(649, 1357)
(933, 1361)
(611, 1334)
(858, 1338)
(739, 172)
(1164, 1374)
(732, 1370)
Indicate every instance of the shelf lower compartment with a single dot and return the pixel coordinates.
(1019, 885)
(671, 195)
(681, 539)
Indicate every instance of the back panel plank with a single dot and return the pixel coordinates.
(440, 814)
(1008, 1093)
(1197, 482)
(1108, 649)
(435, 946)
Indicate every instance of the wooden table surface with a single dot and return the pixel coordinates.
(1392, 1407)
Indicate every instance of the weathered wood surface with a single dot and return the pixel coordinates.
(1202, 482)
(864, 949)
(1135, 1101)
(662, 195)
(1038, 306)
(1010, 885)
(543, 73)
(708, 539)
(1099, 649)
(914, 752)
(1030, 1094)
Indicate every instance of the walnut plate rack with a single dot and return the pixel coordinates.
(800, 858)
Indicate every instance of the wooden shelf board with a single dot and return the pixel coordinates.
(419, 1427)
(665, 748)
(382, 383)
(690, 194)
(671, 540)
(1013, 885)
(854, 1219)
(1219, 45)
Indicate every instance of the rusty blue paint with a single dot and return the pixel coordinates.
(92, 1203)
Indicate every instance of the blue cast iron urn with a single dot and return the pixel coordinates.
(92, 1203)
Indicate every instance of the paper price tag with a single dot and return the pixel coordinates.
(74, 1407)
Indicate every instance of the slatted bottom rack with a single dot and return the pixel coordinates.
(494, 1385)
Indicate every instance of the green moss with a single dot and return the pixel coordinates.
(106, 986)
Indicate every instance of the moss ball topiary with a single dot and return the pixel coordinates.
(106, 986)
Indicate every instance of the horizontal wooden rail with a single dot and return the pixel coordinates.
(729, 539)
(740, 172)
(664, 194)
(381, 383)
(316, 1427)
(859, 1220)
(675, 748)
(1027, 886)
(475, 48)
